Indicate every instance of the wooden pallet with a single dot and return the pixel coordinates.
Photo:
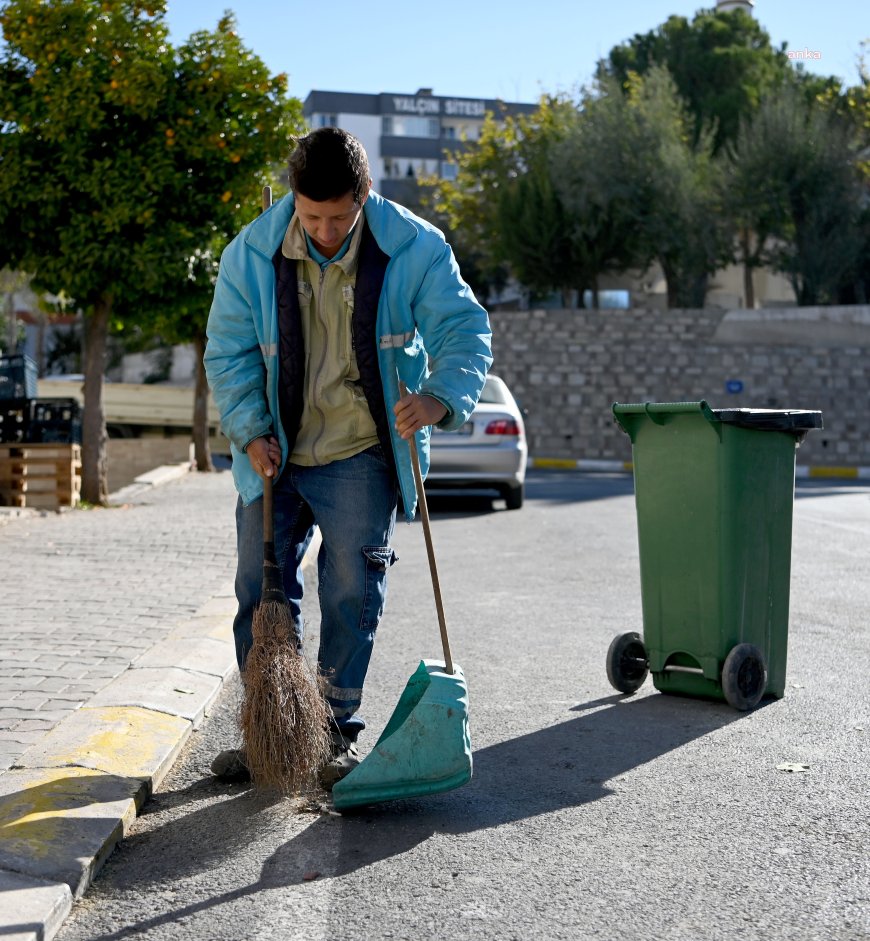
(40, 475)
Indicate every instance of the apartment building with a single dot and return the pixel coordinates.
(407, 136)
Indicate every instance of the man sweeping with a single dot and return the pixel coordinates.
(322, 304)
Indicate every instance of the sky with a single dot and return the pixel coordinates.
(515, 50)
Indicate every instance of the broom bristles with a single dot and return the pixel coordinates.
(284, 716)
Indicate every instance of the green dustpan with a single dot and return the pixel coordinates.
(425, 747)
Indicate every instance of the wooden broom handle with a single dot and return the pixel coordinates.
(430, 551)
(268, 519)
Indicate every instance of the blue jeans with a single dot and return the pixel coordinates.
(354, 504)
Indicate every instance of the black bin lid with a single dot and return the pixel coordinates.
(770, 419)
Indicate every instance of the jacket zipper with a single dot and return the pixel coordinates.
(315, 407)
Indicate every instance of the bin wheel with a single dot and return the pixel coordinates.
(744, 677)
(627, 662)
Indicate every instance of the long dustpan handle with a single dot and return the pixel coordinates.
(430, 551)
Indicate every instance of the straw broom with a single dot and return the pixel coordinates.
(284, 717)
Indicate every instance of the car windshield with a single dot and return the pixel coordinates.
(493, 392)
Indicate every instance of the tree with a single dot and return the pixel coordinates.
(228, 143)
(722, 65)
(107, 178)
(596, 173)
(504, 202)
(11, 282)
(794, 182)
(641, 189)
(853, 106)
(486, 279)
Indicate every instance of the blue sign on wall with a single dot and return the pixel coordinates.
(734, 386)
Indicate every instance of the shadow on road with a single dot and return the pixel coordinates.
(565, 765)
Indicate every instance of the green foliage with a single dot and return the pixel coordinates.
(120, 156)
(125, 165)
(700, 143)
(504, 203)
(722, 64)
(674, 189)
(795, 179)
(634, 189)
(567, 194)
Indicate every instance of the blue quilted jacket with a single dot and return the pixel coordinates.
(431, 331)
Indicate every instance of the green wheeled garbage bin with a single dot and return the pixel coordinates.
(714, 491)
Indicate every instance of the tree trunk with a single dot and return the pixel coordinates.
(95, 487)
(748, 285)
(11, 325)
(201, 449)
(40, 344)
(672, 283)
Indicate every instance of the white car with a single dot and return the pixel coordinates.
(488, 452)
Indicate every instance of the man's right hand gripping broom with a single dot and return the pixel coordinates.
(265, 455)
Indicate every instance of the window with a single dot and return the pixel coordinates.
(609, 300)
(449, 170)
(326, 120)
(405, 125)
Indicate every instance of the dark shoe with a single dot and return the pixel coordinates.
(345, 758)
(230, 766)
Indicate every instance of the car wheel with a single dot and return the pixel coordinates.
(513, 496)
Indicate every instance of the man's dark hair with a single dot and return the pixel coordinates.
(329, 163)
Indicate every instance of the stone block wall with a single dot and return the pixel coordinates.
(567, 367)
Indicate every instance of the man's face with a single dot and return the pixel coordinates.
(328, 222)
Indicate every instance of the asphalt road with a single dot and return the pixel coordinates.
(590, 815)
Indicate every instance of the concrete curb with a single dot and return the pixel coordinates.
(71, 797)
(153, 478)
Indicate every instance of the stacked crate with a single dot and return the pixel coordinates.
(40, 475)
(40, 441)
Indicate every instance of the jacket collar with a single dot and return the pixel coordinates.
(390, 227)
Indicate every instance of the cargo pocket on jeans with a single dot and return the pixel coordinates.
(378, 560)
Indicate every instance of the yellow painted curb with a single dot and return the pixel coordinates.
(833, 472)
(554, 462)
(59, 824)
(127, 741)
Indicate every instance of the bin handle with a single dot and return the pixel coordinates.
(653, 416)
(659, 412)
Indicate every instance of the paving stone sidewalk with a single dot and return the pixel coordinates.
(87, 592)
(115, 637)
